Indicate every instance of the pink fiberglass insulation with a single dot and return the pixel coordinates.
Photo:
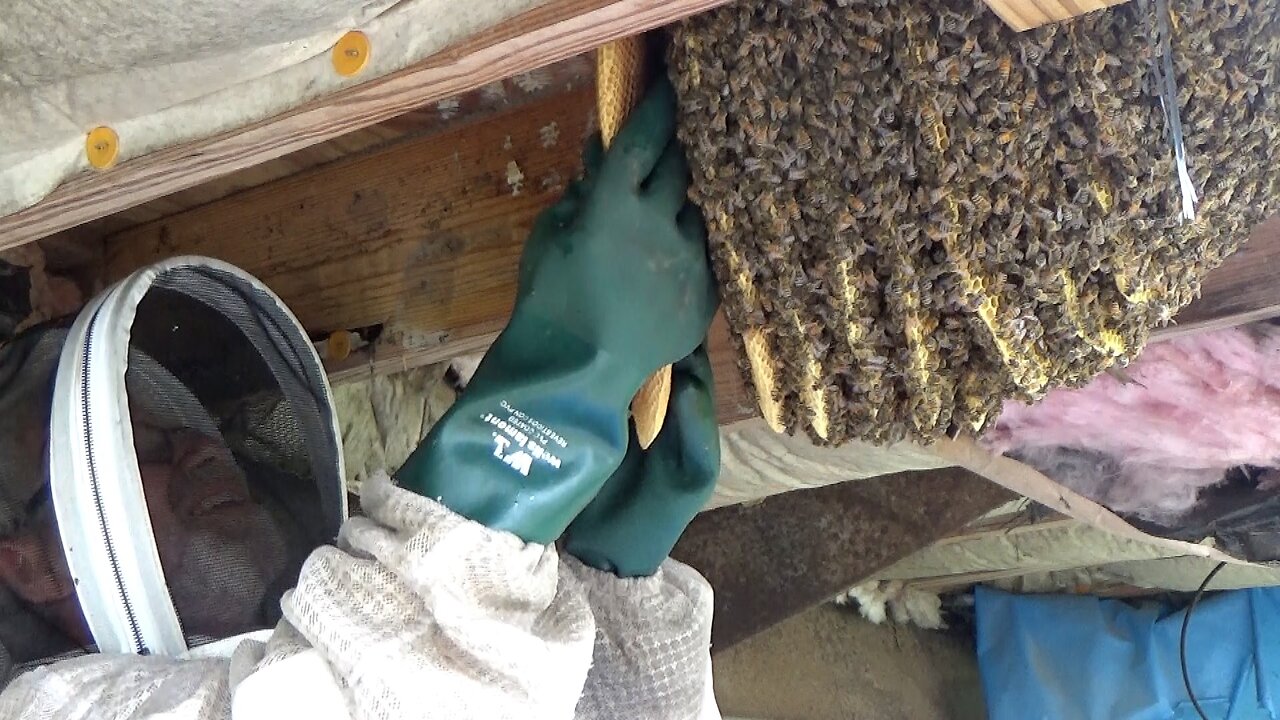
(1190, 409)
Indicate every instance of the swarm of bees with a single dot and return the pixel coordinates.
(916, 213)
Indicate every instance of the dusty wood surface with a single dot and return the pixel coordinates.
(773, 559)
(422, 236)
(1027, 14)
(1243, 289)
(556, 31)
(435, 117)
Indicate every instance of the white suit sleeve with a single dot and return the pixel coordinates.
(419, 613)
(653, 644)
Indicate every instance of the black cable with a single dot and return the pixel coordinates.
(1182, 640)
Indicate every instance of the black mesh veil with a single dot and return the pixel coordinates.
(31, 594)
(237, 457)
(248, 503)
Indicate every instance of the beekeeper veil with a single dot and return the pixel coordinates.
(167, 461)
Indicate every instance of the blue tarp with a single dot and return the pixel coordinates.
(1069, 657)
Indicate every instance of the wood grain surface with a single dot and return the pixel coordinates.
(422, 237)
(1027, 14)
(556, 31)
(1244, 289)
(435, 117)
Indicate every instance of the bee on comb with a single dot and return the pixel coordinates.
(916, 213)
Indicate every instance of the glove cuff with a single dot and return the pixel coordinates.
(540, 428)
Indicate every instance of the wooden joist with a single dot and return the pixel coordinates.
(422, 237)
(555, 31)
(432, 118)
(1242, 290)
(1027, 14)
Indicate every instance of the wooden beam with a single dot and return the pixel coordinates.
(575, 73)
(555, 31)
(1242, 290)
(421, 238)
(423, 235)
(1026, 14)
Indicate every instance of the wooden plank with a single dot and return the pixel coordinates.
(556, 31)
(565, 76)
(1242, 290)
(421, 238)
(1026, 14)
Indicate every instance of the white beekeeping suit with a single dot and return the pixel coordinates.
(195, 474)
(420, 613)
(416, 612)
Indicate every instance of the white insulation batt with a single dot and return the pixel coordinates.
(160, 72)
(383, 418)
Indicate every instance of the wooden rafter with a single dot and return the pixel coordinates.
(1028, 14)
(422, 236)
(552, 32)
(1242, 290)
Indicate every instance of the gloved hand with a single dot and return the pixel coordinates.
(636, 518)
(614, 283)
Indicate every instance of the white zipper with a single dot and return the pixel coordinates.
(97, 486)
(95, 479)
(134, 634)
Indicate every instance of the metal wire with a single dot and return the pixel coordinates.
(1182, 639)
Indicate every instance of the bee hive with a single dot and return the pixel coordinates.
(916, 213)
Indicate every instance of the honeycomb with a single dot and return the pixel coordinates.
(916, 213)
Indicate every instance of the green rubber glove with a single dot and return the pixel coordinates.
(614, 283)
(636, 518)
